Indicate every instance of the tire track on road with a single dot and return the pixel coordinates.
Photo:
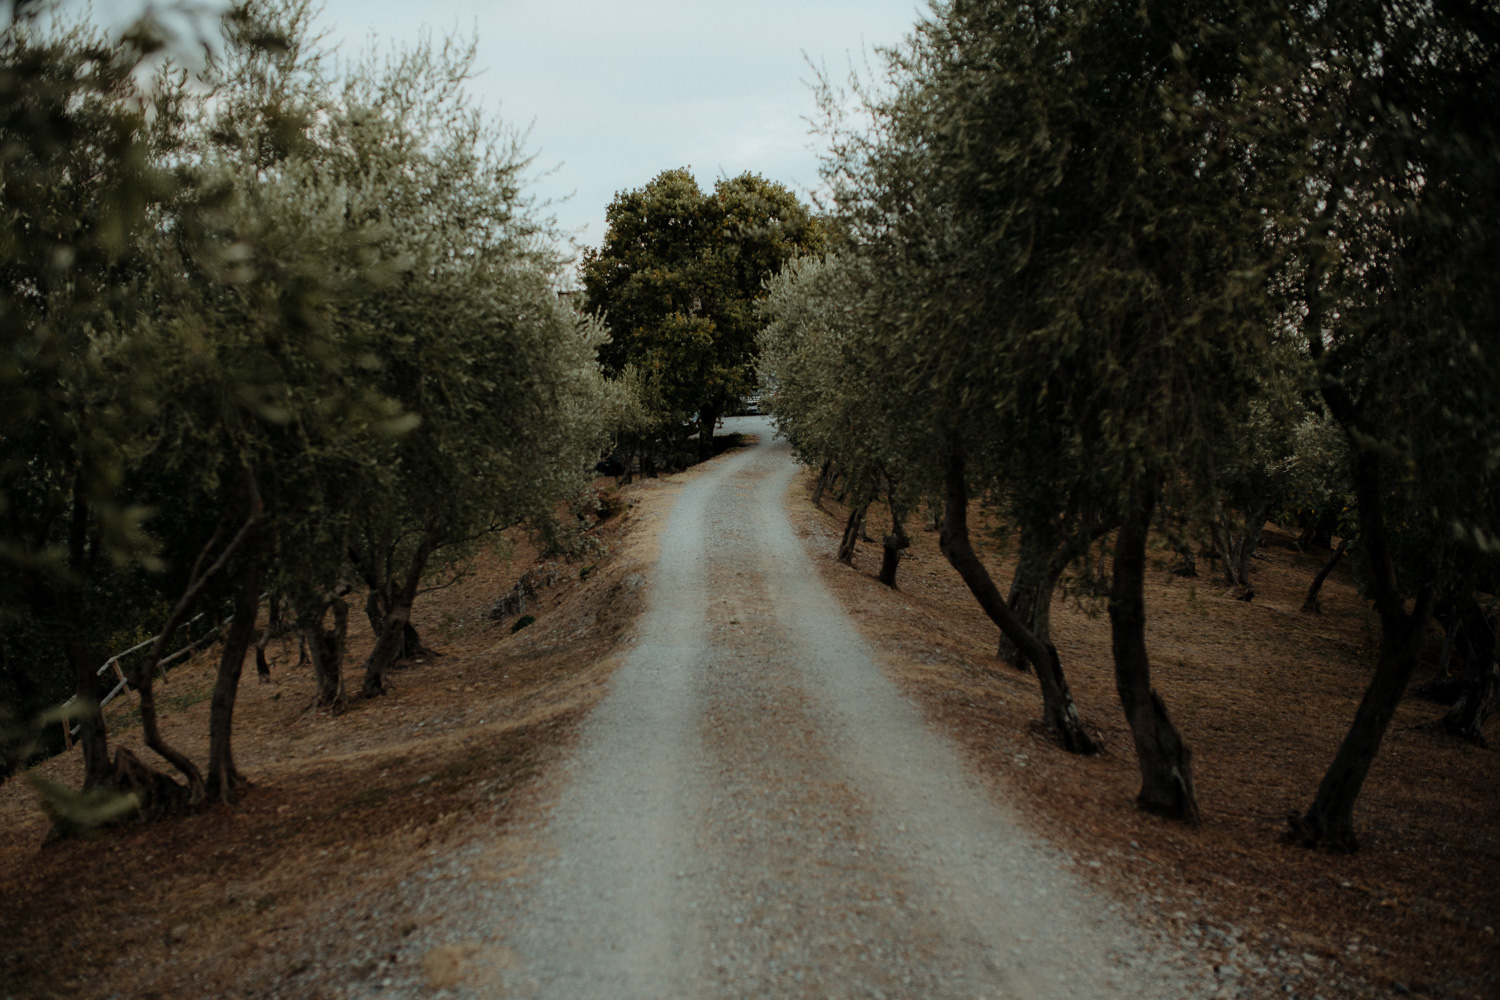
(754, 810)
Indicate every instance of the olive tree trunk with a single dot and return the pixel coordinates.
(1236, 542)
(1166, 763)
(1045, 556)
(1059, 713)
(1026, 594)
(1479, 694)
(1472, 636)
(708, 419)
(852, 529)
(1311, 605)
(202, 572)
(394, 635)
(897, 541)
(890, 561)
(326, 650)
(1328, 822)
(275, 625)
(224, 781)
(92, 738)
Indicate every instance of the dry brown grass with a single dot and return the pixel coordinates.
(1262, 693)
(344, 807)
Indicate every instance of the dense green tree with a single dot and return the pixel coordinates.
(265, 395)
(678, 278)
(1063, 221)
(835, 390)
(338, 337)
(76, 180)
(1393, 173)
(496, 369)
(406, 378)
(1115, 243)
(1284, 463)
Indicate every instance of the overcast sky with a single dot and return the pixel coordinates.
(612, 92)
(615, 92)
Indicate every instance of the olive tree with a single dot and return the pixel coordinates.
(1392, 153)
(453, 391)
(836, 389)
(76, 394)
(496, 371)
(1070, 234)
(348, 326)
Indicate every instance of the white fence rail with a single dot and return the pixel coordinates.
(122, 681)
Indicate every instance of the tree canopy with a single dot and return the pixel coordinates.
(1105, 242)
(678, 278)
(298, 331)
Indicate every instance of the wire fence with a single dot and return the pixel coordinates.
(115, 664)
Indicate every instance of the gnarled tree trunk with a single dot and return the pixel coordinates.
(1328, 822)
(1236, 544)
(1165, 761)
(896, 542)
(1045, 556)
(891, 548)
(224, 781)
(145, 677)
(393, 635)
(1476, 703)
(1310, 604)
(92, 739)
(1473, 637)
(275, 625)
(326, 650)
(1026, 588)
(708, 419)
(375, 608)
(852, 529)
(151, 732)
(1059, 714)
(389, 643)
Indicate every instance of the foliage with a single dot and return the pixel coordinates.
(1392, 241)
(325, 305)
(76, 395)
(678, 278)
(1394, 180)
(1053, 207)
(836, 387)
(1216, 250)
(1287, 462)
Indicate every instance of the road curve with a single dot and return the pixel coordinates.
(754, 810)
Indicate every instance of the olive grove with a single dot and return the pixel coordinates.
(302, 333)
(1124, 263)
(1384, 122)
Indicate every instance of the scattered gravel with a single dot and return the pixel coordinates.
(755, 811)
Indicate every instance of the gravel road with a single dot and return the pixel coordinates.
(754, 810)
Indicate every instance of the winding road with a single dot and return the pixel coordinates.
(754, 810)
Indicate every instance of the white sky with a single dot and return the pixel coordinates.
(612, 92)
(615, 92)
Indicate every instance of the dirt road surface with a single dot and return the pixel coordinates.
(755, 811)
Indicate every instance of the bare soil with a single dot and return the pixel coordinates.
(346, 806)
(1262, 694)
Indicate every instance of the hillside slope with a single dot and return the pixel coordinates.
(291, 886)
